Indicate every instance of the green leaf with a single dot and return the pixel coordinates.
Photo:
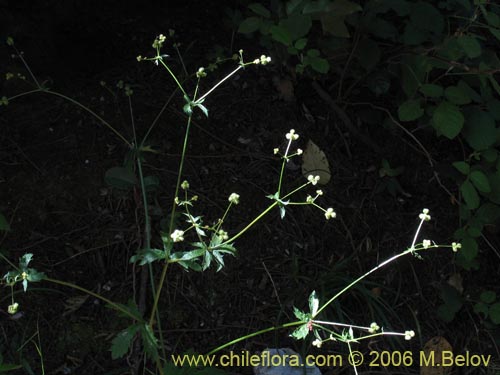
(149, 341)
(410, 110)
(281, 35)
(249, 25)
(481, 308)
(297, 25)
(333, 20)
(480, 131)
(122, 341)
(431, 90)
(480, 181)
(470, 45)
(494, 313)
(301, 332)
(462, 167)
(24, 261)
(4, 224)
(488, 296)
(120, 178)
(146, 256)
(469, 248)
(319, 64)
(426, 17)
(494, 196)
(448, 119)
(260, 10)
(300, 315)
(292, 6)
(495, 32)
(313, 303)
(470, 195)
(187, 255)
(6, 367)
(456, 95)
(300, 44)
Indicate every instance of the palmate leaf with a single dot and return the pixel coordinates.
(300, 332)
(146, 256)
(313, 303)
(122, 341)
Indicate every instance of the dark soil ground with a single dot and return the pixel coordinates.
(53, 157)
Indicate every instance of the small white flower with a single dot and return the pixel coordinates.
(177, 235)
(256, 61)
(276, 150)
(223, 234)
(409, 335)
(201, 73)
(313, 179)
(264, 60)
(330, 214)
(234, 198)
(426, 244)
(300, 151)
(12, 309)
(317, 343)
(185, 185)
(309, 199)
(291, 135)
(425, 215)
(455, 246)
(319, 192)
(374, 327)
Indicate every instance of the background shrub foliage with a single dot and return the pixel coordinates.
(433, 66)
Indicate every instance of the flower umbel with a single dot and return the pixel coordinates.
(330, 214)
(425, 215)
(12, 309)
(291, 135)
(313, 179)
(374, 327)
(409, 335)
(426, 244)
(455, 246)
(177, 235)
(234, 198)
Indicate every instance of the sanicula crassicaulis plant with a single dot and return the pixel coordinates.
(213, 241)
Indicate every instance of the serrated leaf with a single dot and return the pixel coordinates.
(410, 110)
(448, 119)
(249, 25)
(300, 315)
(313, 303)
(4, 224)
(314, 162)
(260, 10)
(470, 46)
(120, 177)
(187, 255)
(301, 332)
(431, 90)
(470, 195)
(480, 181)
(462, 167)
(122, 341)
(319, 64)
(146, 256)
(300, 44)
(149, 341)
(488, 296)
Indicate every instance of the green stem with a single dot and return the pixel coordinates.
(269, 329)
(104, 122)
(93, 294)
(171, 226)
(384, 263)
